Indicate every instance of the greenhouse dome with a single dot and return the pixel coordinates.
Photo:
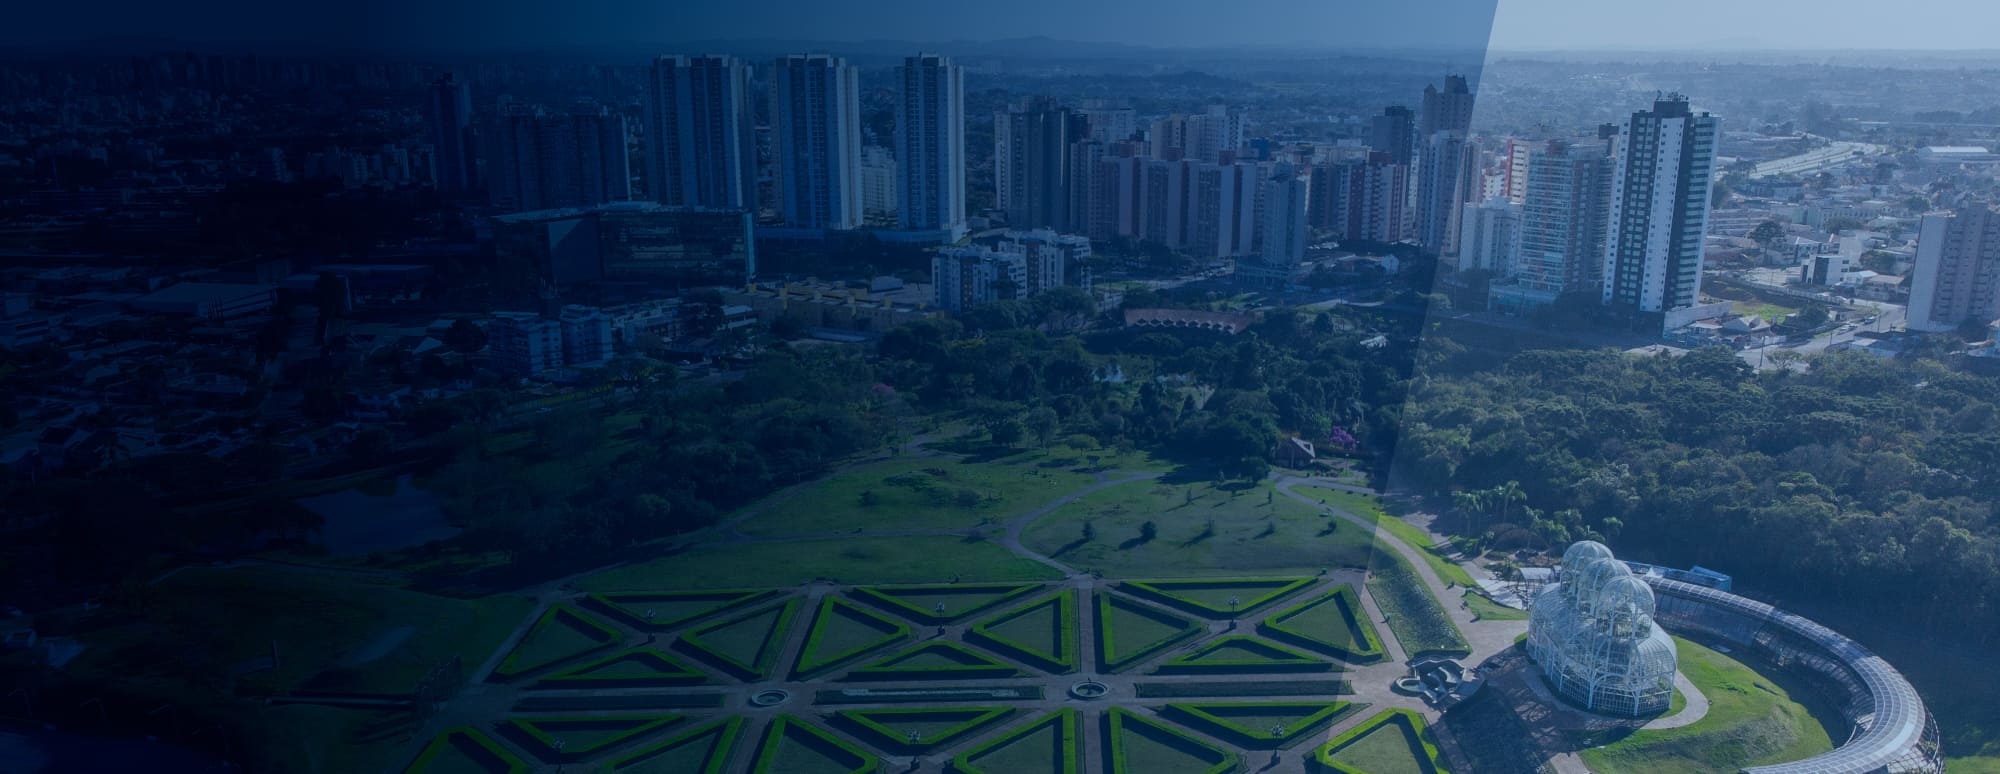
(1592, 633)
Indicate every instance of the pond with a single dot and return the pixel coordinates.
(360, 521)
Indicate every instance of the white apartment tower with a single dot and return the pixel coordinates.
(700, 139)
(1660, 188)
(815, 107)
(1957, 275)
(930, 144)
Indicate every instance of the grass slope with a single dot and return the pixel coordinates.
(1752, 720)
(1254, 532)
(916, 493)
(860, 560)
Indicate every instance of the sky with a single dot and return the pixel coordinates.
(1516, 25)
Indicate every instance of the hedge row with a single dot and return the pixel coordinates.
(532, 734)
(1281, 659)
(811, 661)
(1221, 761)
(1349, 604)
(557, 615)
(629, 605)
(718, 757)
(691, 642)
(1066, 636)
(669, 671)
(994, 693)
(655, 701)
(1258, 737)
(1163, 591)
(1069, 755)
(1242, 688)
(856, 759)
(886, 596)
(1408, 723)
(885, 669)
(868, 724)
(468, 741)
(1107, 644)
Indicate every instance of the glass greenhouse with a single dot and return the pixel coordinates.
(1594, 637)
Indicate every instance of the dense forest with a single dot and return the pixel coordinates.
(1863, 482)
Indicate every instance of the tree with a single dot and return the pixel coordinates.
(465, 337)
(1148, 531)
(1043, 423)
(1767, 234)
(1974, 329)
(1006, 431)
(1812, 316)
(1838, 224)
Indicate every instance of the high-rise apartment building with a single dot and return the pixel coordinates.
(1394, 133)
(879, 182)
(538, 160)
(1283, 219)
(1565, 199)
(1659, 208)
(1957, 274)
(455, 167)
(700, 134)
(1446, 110)
(1360, 198)
(1446, 176)
(1031, 167)
(816, 111)
(1489, 237)
(930, 144)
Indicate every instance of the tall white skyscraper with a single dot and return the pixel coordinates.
(930, 144)
(1957, 275)
(1565, 191)
(700, 135)
(1659, 208)
(818, 116)
(1284, 219)
(1489, 237)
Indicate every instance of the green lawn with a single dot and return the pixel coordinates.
(1488, 610)
(1036, 751)
(332, 632)
(1330, 620)
(1385, 750)
(1752, 720)
(916, 493)
(858, 560)
(1370, 507)
(1252, 533)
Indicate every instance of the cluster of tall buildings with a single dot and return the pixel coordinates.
(1620, 218)
(1017, 264)
(702, 149)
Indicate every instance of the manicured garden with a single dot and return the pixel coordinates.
(1049, 745)
(1135, 744)
(943, 603)
(1333, 623)
(934, 660)
(746, 644)
(1041, 633)
(1397, 741)
(919, 730)
(466, 750)
(562, 633)
(661, 611)
(559, 738)
(860, 560)
(1753, 719)
(793, 746)
(1129, 632)
(1243, 654)
(1260, 725)
(843, 631)
(1218, 597)
(702, 750)
(636, 668)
